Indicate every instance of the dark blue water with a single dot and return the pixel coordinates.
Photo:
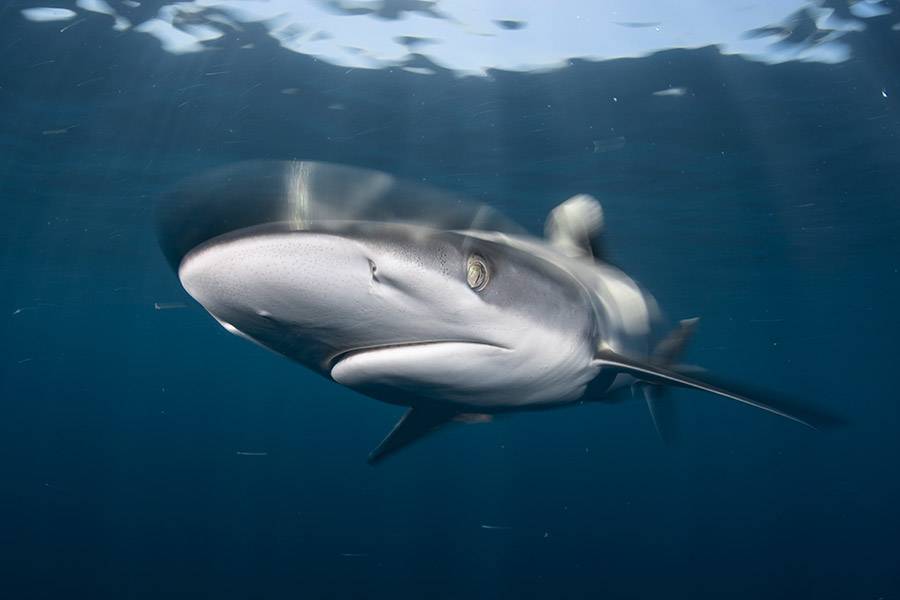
(764, 200)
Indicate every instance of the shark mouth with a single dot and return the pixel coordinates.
(340, 357)
(448, 371)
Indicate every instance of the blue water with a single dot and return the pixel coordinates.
(764, 200)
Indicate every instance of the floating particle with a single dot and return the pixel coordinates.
(242, 453)
(71, 25)
(59, 131)
(609, 144)
(87, 81)
(169, 305)
(672, 91)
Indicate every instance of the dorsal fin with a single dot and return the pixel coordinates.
(575, 227)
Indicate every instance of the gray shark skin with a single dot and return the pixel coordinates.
(415, 297)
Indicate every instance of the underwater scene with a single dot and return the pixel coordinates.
(449, 299)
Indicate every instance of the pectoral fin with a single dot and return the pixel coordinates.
(652, 373)
(416, 423)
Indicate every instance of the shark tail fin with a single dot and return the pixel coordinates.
(663, 411)
(648, 372)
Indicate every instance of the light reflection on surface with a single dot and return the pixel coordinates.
(472, 36)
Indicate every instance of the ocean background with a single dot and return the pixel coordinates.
(147, 453)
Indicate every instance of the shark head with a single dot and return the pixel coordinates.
(399, 309)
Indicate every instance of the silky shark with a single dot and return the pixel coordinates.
(419, 298)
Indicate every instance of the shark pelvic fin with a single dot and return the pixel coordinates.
(663, 412)
(416, 423)
(651, 373)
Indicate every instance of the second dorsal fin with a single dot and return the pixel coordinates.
(663, 410)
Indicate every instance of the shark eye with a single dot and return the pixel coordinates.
(477, 275)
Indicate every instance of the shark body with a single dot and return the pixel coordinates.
(415, 297)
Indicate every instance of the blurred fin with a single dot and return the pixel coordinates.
(308, 196)
(672, 347)
(663, 411)
(416, 423)
(575, 227)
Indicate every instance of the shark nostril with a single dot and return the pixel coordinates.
(373, 268)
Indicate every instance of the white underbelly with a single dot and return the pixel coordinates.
(470, 374)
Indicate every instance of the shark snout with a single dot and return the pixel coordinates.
(291, 279)
(292, 291)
